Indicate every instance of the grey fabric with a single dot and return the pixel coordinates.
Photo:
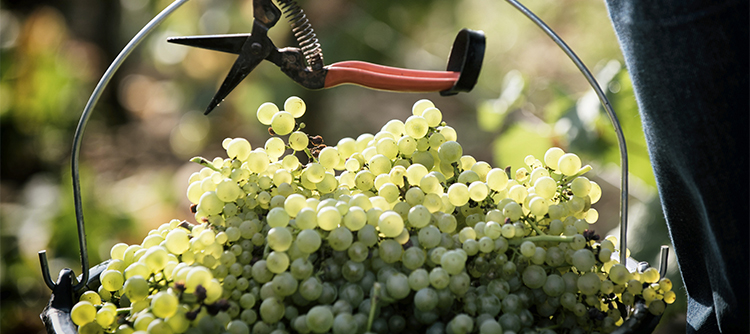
(688, 60)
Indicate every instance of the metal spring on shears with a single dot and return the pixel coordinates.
(304, 33)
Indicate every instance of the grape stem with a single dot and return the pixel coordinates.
(309, 155)
(549, 238)
(373, 305)
(536, 228)
(124, 310)
(205, 163)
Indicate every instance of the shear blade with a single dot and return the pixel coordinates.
(225, 43)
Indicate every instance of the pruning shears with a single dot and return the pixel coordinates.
(304, 64)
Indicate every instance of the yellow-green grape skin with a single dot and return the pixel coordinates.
(569, 164)
(416, 126)
(595, 193)
(282, 123)
(552, 157)
(91, 297)
(295, 106)
(497, 179)
(580, 186)
(450, 151)
(298, 140)
(83, 313)
(275, 147)
(448, 132)
(391, 224)
(433, 116)
(328, 157)
(420, 106)
(665, 284)
(164, 304)
(265, 113)
(112, 280)
(239, 148)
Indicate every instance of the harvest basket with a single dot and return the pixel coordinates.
(67, 289)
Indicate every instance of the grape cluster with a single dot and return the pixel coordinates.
(386, 233)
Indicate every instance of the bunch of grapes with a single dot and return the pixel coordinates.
(387, 233)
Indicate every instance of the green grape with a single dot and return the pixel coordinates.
(319, 319)
(439, 278)
(329, 157)
(462, 324)
(311, 288)
(458, 194)
(106, 315)
(306, 219)
(486, 244)
(589, 283)
(391, 224)
(413, 258)
(265, 113)
(344, 323)
(414, 175)
(416, 126)
(275, 147)
(534, 276)
(272, 310)
(277, 262)
(91, 297)
(261, 273)
(328, 218)
(386, 148)
(546, 187)
(497, 179)
(238, 327)
(390, 251)
(419, 279)
(282, 123)
(426, 299)
(569, 164)
(177, 241)
(355, 218)
(308, 241)
(210, 203)
(164, 304)
(295, 106)
(112, 280)
(389, 191)
(527, 248)
(298, 140)
(583, 260)
(554, 286)
(478, 191)
(284, 284)
(279, 239)
(433, 116)
(136, 288)
(490, 327)
(450, 151)
(420, 106)
(453, 262)
(227, 190)
(397, 285)
(155, 259)
(595, 193)
(429, 237)
(83, 313)
(340, 238)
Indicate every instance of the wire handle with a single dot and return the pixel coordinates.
(612, 117)
(87, 110)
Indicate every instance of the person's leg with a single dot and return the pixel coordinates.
(689, 64)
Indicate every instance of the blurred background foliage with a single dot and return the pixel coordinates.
(149, 122)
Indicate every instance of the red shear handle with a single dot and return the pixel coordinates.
(388, 78)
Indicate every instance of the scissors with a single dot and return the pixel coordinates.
(304, 64)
